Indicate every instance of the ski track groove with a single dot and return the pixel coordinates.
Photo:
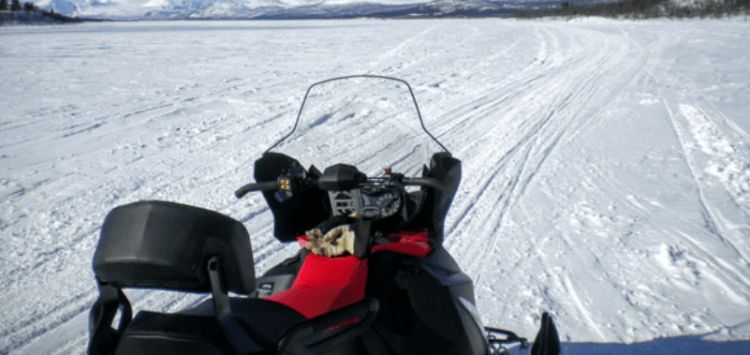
(710, 220)
(725, 271)
(582, 309)
(507, 198)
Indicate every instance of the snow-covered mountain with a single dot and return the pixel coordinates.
(162, 9)
(184, 8)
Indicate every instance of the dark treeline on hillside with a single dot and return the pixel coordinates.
(15, 12)
(643, 9)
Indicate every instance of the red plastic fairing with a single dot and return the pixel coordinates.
(324, 285)
(414, 243)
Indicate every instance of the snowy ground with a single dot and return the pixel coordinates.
(606, 163)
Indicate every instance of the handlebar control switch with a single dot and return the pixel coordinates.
(285, 184)
(289, 183)
(286, 189)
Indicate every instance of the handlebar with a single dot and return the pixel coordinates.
(257, 186)
(274, 185)
(426, 182)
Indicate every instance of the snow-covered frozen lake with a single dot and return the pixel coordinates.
(606, 163)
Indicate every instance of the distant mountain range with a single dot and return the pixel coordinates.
(314, 9)
(285, 9)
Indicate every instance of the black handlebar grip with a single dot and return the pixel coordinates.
(427, 182)
(257, 186)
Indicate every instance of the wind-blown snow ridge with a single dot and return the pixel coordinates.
(605, 162)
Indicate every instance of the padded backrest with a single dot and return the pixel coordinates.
(156, 244)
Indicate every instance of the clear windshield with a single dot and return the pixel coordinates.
(367, 121)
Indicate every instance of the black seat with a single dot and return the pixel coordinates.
(160, 333)
(196, 331)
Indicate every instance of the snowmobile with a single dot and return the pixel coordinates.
(371, 275)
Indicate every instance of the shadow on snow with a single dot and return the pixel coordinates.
(692, 345)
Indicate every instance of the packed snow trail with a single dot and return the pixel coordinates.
(606, 163)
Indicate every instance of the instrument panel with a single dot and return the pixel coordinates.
(371, 202)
